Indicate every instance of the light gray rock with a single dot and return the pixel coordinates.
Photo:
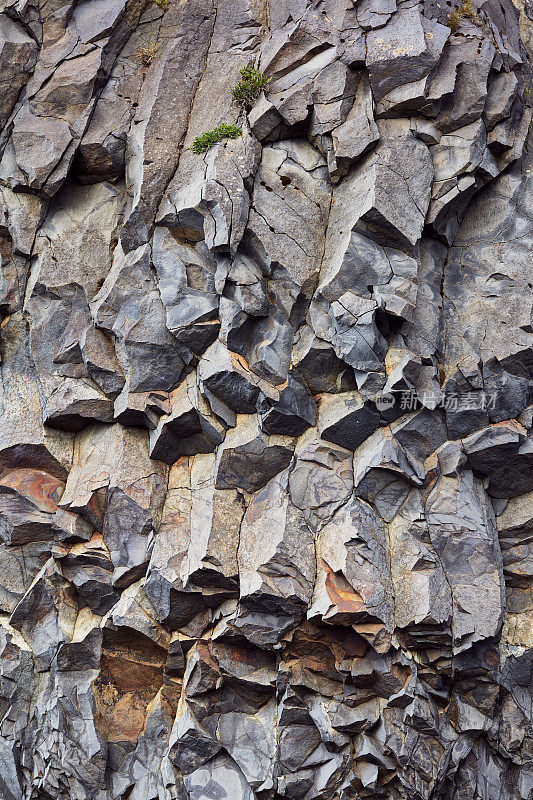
(18, 57)
(224, 776)
(81, 230)
(150, 356)
(265, 411)
(290, 194)
(275, 572)
(404, 50)
(353, 588)
(363, 201)
(477, 591)
(54, 601)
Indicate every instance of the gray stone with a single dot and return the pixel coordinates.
(404, 50)
(346, 420)
(353, 589)
(276, 572)
(291, 414)
(190, 428)
(265, 411)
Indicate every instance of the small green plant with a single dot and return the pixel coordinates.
(162, 4)
(453, 20)
(249, 87)
(465, 11)
(146, 53)
(205, 140)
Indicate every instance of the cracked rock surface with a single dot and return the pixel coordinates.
(266, 413)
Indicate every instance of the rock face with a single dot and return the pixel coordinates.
(266, 431)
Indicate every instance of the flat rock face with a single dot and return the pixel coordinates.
(266, 413)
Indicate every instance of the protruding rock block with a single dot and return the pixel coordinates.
(352, 589)
(190, 428)
(346, 420)
(276, 565)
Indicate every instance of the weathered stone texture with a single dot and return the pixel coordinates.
(266, 413)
